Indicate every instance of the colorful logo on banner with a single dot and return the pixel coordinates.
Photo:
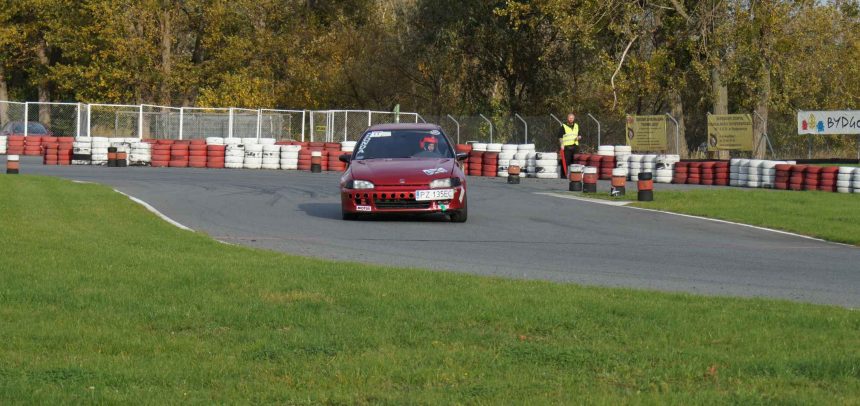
(811, 124)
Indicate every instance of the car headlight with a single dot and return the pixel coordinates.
(444, 183)
(359, 184)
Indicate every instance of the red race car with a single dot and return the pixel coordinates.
(404, 168)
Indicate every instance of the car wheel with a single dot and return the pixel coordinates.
(349, 216)
(460, 216)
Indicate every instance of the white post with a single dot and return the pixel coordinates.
(89, 119)
(26, 117)
(181, 120)
(78, 122)
(140, 122)
(312, 127)
(369, 119)
(526, 125)
(259, 123)
(303, 125)
(491, 126)
(677, 134)
(598, 127)
(458, 127)
(230, 123)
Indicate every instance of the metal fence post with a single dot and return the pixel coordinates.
(677, 134)
(555, 118)
(598, 127)
(345, 122)
(78, 122)
(259, 123)
(457, 123)
(26, 118)
(526, 127)
(303, 125)
(230, 123)
(491, 126)
(181, 121)
(140, 122)
(89, 119)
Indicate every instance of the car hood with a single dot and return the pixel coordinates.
(405, 171)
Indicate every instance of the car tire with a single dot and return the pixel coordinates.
(349, 216)
(460, 216)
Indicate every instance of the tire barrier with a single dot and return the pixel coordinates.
(546, 165)
(490, 162)
(3, 140)
(645, 186)
(846, 179)
(99, 151)
(575, 178)
(13, 166)
(140, 154)
(316, 161)
(216, 155)
(464, 149)
(513, 174)
(33, 145)
(619, 182)
(81, 151)
(271, 156)
(622, 156)
(589, 179)
(161, 153)
(290, 156)
(234, 155)
(179, 151)
(50, 151)
(475, 161)
(253, 156)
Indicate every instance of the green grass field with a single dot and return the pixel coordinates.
(825, 215)
(101, 302)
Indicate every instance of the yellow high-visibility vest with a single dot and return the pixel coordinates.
(571, 135)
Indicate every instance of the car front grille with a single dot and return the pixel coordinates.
(396, 203)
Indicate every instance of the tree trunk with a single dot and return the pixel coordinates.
(677, 107)
(166, 56)
(760, 126)
(4, 96)
(44, 92)
(721, 103)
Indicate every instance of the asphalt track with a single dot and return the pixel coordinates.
(513, 231)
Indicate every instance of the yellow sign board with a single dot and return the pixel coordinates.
(646, 133)
(730, 132)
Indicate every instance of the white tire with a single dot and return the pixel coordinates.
(504, 162)
(526, 147)
(289, 155)
(267, 141)
(252, 165)
(100, 144)
(271, 166)
(214, 141)
(232, 141)
(510, 147)
(546, 156)
(507, 155)
(271, 161)
(494, 147)
(660, 179)
(547, 175)
(547, 169)
(665, 173)
(479, 146)
(546, 162)
(233, 165)
(234, 159)
(289, 162)
(843, 189)
(250, 141)
(271, 148)
(291, 148)
(502, 174)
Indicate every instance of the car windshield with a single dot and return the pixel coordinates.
(32, 128)
(403, 144)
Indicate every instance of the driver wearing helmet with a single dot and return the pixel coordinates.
(428, 146)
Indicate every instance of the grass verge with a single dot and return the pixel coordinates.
(825, 215)
(102, 302)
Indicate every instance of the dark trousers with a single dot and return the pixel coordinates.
(569, 151)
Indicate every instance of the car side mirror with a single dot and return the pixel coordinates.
(462, 156)
(344, 158)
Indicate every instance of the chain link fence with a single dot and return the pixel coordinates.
(11, 117)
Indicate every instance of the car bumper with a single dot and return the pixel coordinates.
(397, 200)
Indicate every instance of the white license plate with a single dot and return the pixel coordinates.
(436, 194)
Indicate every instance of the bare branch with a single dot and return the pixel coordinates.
(617, 69)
